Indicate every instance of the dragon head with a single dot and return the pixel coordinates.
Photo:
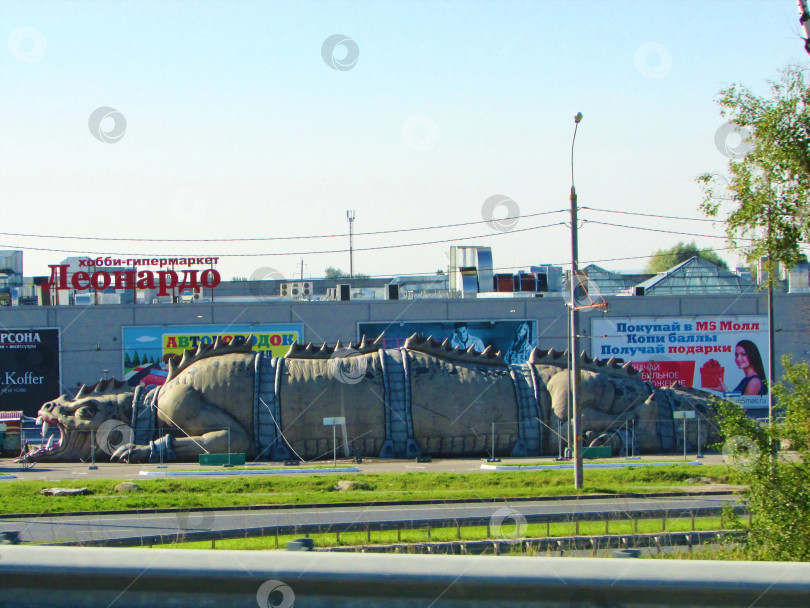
(77, 417)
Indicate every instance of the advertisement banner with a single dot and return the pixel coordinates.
(725, 354)
(148, 349)
(515, 339)
(29, 368)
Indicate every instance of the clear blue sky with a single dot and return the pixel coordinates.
(236, 126)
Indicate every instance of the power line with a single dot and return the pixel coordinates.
(268, 238)
(666, 217)
(325, 251)
(707, 236)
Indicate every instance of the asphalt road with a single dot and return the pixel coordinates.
(50, 529)
(70, 470)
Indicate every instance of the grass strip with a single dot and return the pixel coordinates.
(387, 537)
(18, 496)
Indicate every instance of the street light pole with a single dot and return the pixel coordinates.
(350, 218)
(574, 371)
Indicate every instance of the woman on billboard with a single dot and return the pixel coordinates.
(522, 344)
(748, 359)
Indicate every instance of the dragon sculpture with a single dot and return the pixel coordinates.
(424, 398)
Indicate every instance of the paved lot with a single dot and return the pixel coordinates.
(62, 471)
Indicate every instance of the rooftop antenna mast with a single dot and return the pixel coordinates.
(350, 217)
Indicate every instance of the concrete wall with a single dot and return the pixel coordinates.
(91, 336)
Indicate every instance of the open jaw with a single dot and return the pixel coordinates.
(52, 447)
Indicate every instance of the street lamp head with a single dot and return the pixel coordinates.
(578, 117)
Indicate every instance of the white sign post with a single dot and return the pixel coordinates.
(334, 423)
(684, 415)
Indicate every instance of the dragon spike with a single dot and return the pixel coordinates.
(83, 391)
(116, 384)
(628, 367)
(378, 340)
(536, 355)
(600, 362)
(338, 345)
(187, 356)
(471, 351)
(446, 345)
(489, 351)
(363, 341)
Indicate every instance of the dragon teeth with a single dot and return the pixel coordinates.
(45, 427)
(49, 445)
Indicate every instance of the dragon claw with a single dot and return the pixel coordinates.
(129, 453)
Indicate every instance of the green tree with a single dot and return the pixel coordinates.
(778, 491)
(767, 198)
(336, 273)
(664, 259)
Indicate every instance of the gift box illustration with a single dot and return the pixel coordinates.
(711, 375)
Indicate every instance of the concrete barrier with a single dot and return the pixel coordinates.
(84, 577)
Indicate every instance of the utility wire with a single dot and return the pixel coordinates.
(665, 217)
(249, 255)
(273, 238)
(707, 236)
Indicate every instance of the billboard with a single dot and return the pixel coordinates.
(29, 368)
(148, 349)
(514, 338)
(724, 354)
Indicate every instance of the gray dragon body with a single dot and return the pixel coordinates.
(424, 398)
